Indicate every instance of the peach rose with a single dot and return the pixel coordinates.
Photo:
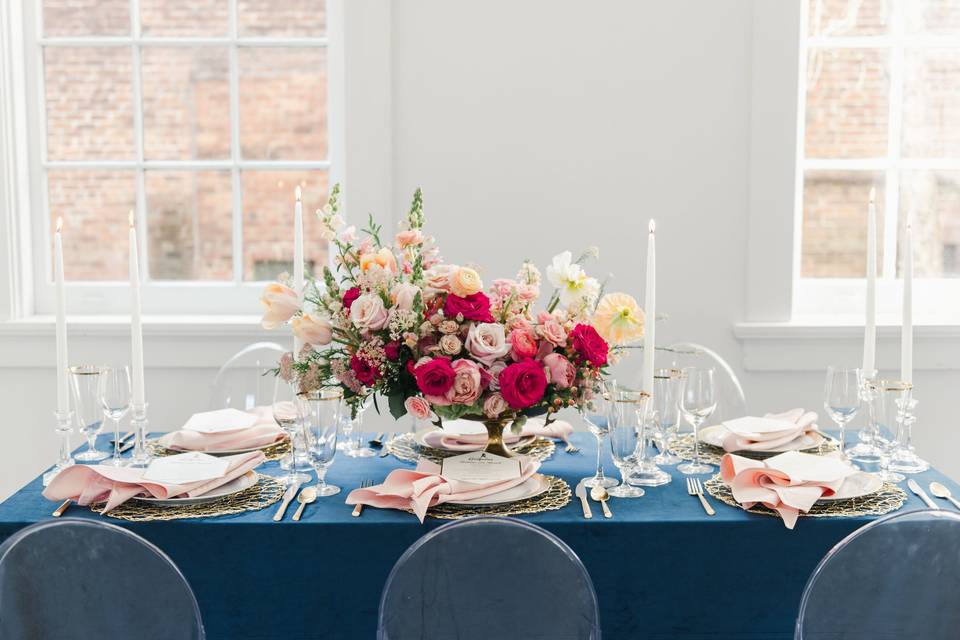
(281, 302)
(465, 282)
(466, 384)
(404, 294)
(312, 329)
(383, 258)
(560, 371)
(450, 344)
(368, 312)
(487, 342)
(418, 407)
(494, 371)
(437, 278)
(553, 332)
(523, 344)
(494, 405)
(409, 238)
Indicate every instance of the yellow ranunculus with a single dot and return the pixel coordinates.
(619, 319)
(465, 282)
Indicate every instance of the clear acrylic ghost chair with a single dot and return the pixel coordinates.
(76, 579)
(897, 578)
(241, 384)
(489, 577)
(731, 402)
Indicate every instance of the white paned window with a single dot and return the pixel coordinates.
(201, 117)
(879, 109)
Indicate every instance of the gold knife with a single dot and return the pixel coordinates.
(581, 492)
(61, 509)
(287, 499)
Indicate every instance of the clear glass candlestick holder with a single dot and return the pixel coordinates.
(142, 457)
(869, 451)
(64, 430)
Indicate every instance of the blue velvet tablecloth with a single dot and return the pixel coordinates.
(661, 567)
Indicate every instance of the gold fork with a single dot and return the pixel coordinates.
(695, 488)
(359, 507)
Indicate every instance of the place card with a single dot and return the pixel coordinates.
(220, 421)
(186, 468)
(480, 467)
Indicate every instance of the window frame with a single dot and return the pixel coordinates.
(937, 300)
(235, 296)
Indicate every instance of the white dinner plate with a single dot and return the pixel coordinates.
(856, 486)
(529, 488)
(714, 436)
(236, 485)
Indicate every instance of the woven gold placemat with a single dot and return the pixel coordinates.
(404, 447)
(273, 452)
(889, 498)
(683, 447)
(556, 497)
(264, 493)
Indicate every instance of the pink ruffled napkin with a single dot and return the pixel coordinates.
(747, 435)
(424, 487)
(263, 432)
(788, 483)
(440, 439)
(86, 483)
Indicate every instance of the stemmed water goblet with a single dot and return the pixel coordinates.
(596, 415)
(890, 399)
(627, 410)
(320, 430)
(360, 450)
(841, 398)
(84, 382)
(114, 394)
(665, 413)
(289, 409)
(698, 401)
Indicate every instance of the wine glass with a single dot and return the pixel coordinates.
(320, 434)
(84, 382)
(698, 401)
(595, 414)
(114, 393)
(288, 411)
(841, 398)
(627, 411)
(665, 412)
(359, 450)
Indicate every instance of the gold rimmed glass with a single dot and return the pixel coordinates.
(320, 429)
(84, 383)
(665, 414)
(627, 413)
(891, 399)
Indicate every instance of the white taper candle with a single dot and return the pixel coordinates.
(870, 323)
(136, 322)
(650, 309)
(63, 388)
(298, 279)
(906, 335)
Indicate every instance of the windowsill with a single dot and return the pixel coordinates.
(157, 325)
(812, 343)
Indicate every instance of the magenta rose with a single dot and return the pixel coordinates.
(523, 343)
(560, 371)
(589, 345)
(349, 296)
(472, 307)
(365, 373)
(392, 350)
(522, 384)
(435, 377)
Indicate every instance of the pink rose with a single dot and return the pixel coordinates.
(494, 405)
(404, 294)
(409, 238)
(495, 370)
(466, 384)
(553, 332)
(487, 342)
(368, 312)
(312, 329)
(280, 302)
(523, 344)
(560, 371)
(503, 288)
(418, 407)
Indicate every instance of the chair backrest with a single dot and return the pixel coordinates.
(896, 578)
(489, 577)
(241, 384)
(75, 578)
(731, 402)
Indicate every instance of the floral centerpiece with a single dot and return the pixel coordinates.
(392, 319)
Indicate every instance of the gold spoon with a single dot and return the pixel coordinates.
(306, 496)
(941, 491)
(600, 494)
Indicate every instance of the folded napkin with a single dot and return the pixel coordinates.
(115, 485)
(787, 483)
(424, 487)
(773, 432)
(264, 431)
(440, 439)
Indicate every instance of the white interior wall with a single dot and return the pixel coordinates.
(534, 127)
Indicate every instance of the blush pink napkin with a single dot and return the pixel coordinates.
(262, 433)
(88, 483)
(423, 487)
(805, 421)
(788, 483)
(475, 441)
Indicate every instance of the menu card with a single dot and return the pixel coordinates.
(186, 468)
(480, 467)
